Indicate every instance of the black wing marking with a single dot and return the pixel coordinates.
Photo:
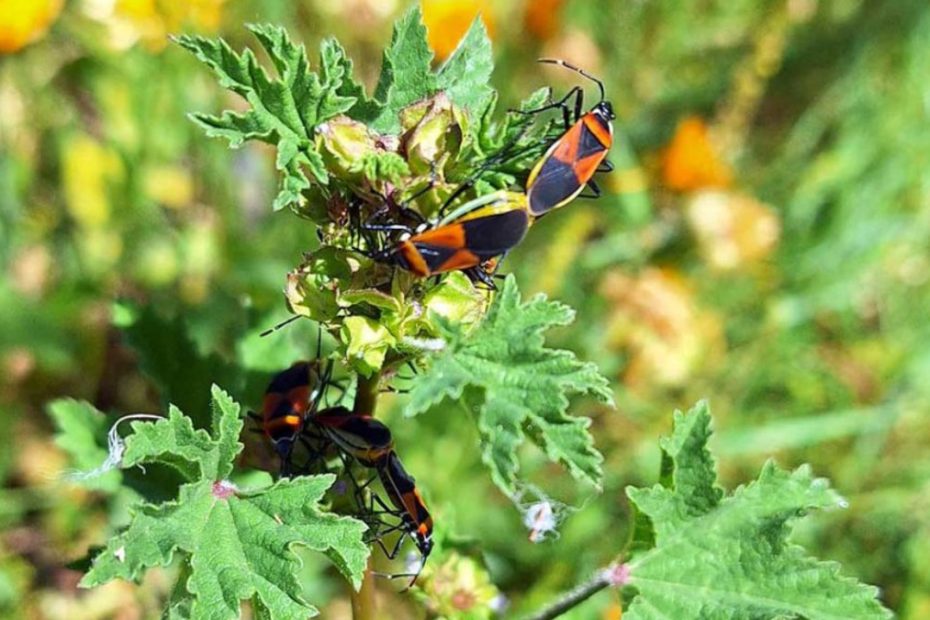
(496, 234)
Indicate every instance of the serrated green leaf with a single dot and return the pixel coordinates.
(525, 386)
(283, 111)
(466, 75)
(237, 544)
(366, 109)
(406, 72)
(82, 434)
(728, 557)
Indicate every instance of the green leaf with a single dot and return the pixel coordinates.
(719, 556)
(525, 386)
(283, 111)
(406, 72)
(235, 544)
(365, 109)
(466, 75)
(82, 434)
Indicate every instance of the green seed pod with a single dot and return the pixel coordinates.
(433, 133)
(345, 144)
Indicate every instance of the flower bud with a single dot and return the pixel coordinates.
(344, 144)
(433, 133)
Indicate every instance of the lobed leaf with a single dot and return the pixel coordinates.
(466, 75)
(517, 386)
(283, 111)
(406, 72)
(717, 556)
(236, 544)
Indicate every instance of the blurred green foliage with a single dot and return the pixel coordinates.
(809, 335)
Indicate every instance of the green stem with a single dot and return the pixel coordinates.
(613, 575)
(363, 602)
(366, 394)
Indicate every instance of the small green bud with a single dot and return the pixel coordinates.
(457, 300)
(367, 343)
(344, 144)
(312, 289)
(433, 133)
(460, 588)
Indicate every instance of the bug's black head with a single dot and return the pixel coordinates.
(424, 540)
(604, 109)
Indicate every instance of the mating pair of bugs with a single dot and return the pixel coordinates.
(475, 235)
(291, 413)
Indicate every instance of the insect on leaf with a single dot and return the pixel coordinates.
(237, 543)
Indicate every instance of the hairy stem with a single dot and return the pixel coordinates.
(613, 575)
(363, 602)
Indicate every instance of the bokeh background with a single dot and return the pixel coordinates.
(763, 243)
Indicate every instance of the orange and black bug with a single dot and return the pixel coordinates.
(289, 398)
(416, 521)
(358, 435)
(571, 161)
(370, 442)
(490, 227)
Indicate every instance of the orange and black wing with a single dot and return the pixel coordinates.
(361, 436)
(402, 491)
(470, 242)
(568, 164)
(286, 401)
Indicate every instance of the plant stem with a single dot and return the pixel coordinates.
(614, 575)
(366, 394)
(363, 602)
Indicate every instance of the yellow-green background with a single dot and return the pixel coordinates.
(770, 254)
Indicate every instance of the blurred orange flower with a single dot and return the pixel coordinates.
(447, 21)
(24, 21)
(690, 162)
(656, 318)
(732, 229)
(542, 18)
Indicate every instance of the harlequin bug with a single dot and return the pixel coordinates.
(571, 161)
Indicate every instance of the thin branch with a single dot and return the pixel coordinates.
(613, 575)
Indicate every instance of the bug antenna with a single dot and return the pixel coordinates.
(560, 62)
(284, 323)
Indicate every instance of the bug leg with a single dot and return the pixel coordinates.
(579, 104)
(595, 191)
(606, 166)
